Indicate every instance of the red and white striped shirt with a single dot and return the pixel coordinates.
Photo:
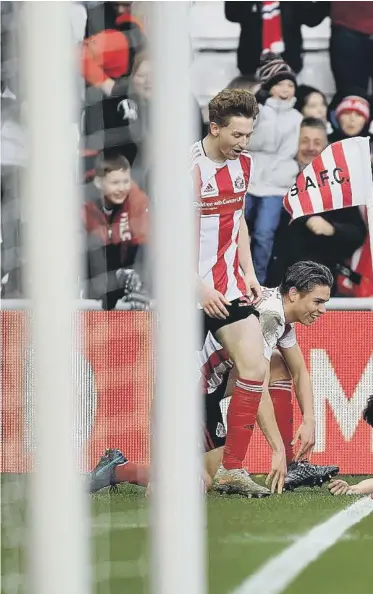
(213, 361)
(220, 190)
(213, 364)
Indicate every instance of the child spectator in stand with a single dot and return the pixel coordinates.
(117, 231)
(350, 115)
(312, 103)
(274, 146)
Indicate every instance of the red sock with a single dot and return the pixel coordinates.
(137, 474)
(280, 392)
(241, 417)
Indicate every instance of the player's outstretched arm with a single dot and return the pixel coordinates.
(303, 391)
(340, 487)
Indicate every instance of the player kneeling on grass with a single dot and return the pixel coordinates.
(301, 473)
(114, 468)
(300, 298)
(365, 487)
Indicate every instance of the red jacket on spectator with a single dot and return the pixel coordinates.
(115, 239)
(110, 53)
(108, 225)
(357, 16)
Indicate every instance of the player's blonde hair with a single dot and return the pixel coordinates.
(232, 103)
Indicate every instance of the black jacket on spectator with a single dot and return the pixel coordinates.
(350, 233)
(123, 124)
(293, 15)
(119, 123)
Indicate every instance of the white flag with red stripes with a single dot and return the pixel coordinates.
(339, 177)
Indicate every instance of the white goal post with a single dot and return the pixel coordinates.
(58, 508)
(178, 555)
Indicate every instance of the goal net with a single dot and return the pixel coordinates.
(79, 279)
(98, 331)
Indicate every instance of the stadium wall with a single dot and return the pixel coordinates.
(113, 382)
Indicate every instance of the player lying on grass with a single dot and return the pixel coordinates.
(365, 487)
(301, 298)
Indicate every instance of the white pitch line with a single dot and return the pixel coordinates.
(280, 571)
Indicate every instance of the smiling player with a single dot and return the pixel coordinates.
(221, 170)
(300, 298)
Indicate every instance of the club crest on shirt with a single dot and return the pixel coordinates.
(239, 183)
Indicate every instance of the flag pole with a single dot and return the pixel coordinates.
(369, 201)
(370, 220)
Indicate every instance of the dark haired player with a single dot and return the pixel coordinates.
(300, 298)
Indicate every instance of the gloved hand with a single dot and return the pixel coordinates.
(128, 280)
(137, 301)
(136, 304)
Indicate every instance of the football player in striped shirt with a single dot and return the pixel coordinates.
(227, 286)
(300, 298)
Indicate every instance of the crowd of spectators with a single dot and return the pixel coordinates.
(292, 129)
(295, 123)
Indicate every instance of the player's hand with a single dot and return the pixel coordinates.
(339, 487)
(306, 435)
(278, 472)
(319, 226)
(253, 288)
(107, 86)
(213, 303)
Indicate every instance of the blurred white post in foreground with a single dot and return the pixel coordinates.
(58, 513)
(178, 555)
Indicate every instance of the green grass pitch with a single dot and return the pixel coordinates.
(242, 535)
